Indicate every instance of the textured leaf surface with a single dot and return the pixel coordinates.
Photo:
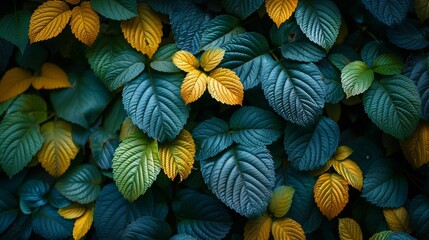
(162, 61)
(349, 229)
(220, 30)
(14, 27)
(393, 105)
(356, 78)
(143, 32)
(258, 228)
(31, 105)
(331, 194)
(387, 64)
(8, 210)
(332, 78)
(51, 77)
(20, 140)
(14, 82)
(242, 8)
(415, 147)
(281, 201)
(50, 225)
(147, 227)
(389, 12)
(194, 85)
(419, 215)
(32, 195)
(103, 145)
(242, 177)
(384, 235)
(287, 228)
(136, 165)
(49, 20)
(422, 9)
(225, 86)
(211, 58)
(416, 69)
(185, 61)
(85, 23)
(116, 9)
(73, 211)
(350, 172)
(397, 219)
(83, 223)
(279, 10)
(408, 35)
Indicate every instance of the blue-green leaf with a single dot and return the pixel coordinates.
(371, 51)
(253, 126)
(320, 21)
(201, 216)
(147, 227)
(83, 103)
(296, 91)
(245, 55)
(6, 50)
(114, 115)
(5, 105)
(32, 105)
(103, 145)
(80, 184)
(20, 229)
(251, 172)
(20, 140)
(211, 137)
(397, 235)
(309, 148)
(221, 29)
(419, 215)
(50, 225)
(164, 6)
(33, 194)
(8, 209)
(182, 236)
(242, 8)
(408, 35)
(154, 103)
(417, 69)
(116, 9)
(162, 62)
(389, 12)
(393, 104)
(14, 28)
(33, 57)
(57, 200)
(332, 78)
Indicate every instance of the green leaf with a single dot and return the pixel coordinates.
(251, 169)
(147, 227)
(136, 165)
(356, 78)
(393, 104)
(6, 50)
(20, 140)
(281, 200)
(371, 51)
(31, 105)
(83, 103)
(154, 104)
(221, 29)
(389, 12)
(116, 9)
(162, 62)
(50, 225)
(384, 235)
(320, 21)
(8, 210)
(296, 91)
(80, 184)
(5, 105)
(114, 115)
(14, 28)
(103, 145)
(419, 215)
(388, 64)
(243, 8)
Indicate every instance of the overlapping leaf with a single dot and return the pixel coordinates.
(8, 210)
(389, 12)
(147, 227)
(73, 211)
(356, 78)
(116, 9)
(332, 78)
(14, 27)
(14, 82)
(50, 225)
(243, 8)
(388, 64)
(103, 145)
(397, 219)
(419, 215)
(50, 77)
(220, 30)
(194, 85)
(408, 35)
(415, 147)
(162, 60)
(281, 201)
(287, 228)
(85, 23)
(83, 223)
(350, 171)
(349, 229)
(331, 194)
(258, 228)
(422, 9)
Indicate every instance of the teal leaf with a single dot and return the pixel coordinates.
(408, 35)
(393, 104)
(419, 215)
(182, 236)
(31, 105)
(253, 126)
(20, 140)
(57, 200)
(221, 29)
(5, 105)
(164, 6)
(162, 62)
(332, 78)
(371, 51)
(14, 28)
(20, 229)
(356, 78)
(389, 12)
(8, 210)
(309, 148)
(295, 91)
(6, 50)
(319, 20)
(211, 137)
(245, 55)
(398, 235)
(103, 145)
(200, 216)
(154, 103)
(83, 103)
(147, 227)
(33, 194)
(243, 8)
(50, 225)
(339, 60)
(250, 169)
(417, 69)
(388, 64)
(80, 184)
(33, 57)
(115, 9)
(114, 115)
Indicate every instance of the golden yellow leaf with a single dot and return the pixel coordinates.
(48, 20)
(258, 228)
(323, 168)
(144, 31)
(287, 228)
(127, 128)
(415, 148)
(83, 224)
(51, 77)
(225, 86)
(349, 229)
(281, 200)
(397, 219)
(185, 61)
(422, 9)
(74, 2)
(331, 194)
(350, 172)
(193, 86)
(14, 82)
(280, 10)
(177, 156)
(73, 211)
(342, 153)
(211, 58)
(85, 23)
(58, 148)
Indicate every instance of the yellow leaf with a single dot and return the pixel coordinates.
(73, 211)
(74, 2)
(193, 86)
(211, 58)
(177, 156)
(323, 168)
(185, 61)
(422, 9)
(349, 229)
(144, 31)
(58, 148)
(416, 148)
(14, 82)
(51, 77)
(350, 172)
(331, 194)
(259, 228)
(397, 219)
(225, 86)
(287, 228)
(48, 20)
(280, 10)
(127, 128)
(281, 200)
(83, 224)
(342, 153)
(85, 23)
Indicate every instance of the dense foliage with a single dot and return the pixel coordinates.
(210, 119)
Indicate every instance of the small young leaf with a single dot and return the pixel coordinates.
(83, 223)
(194, 85)
(279, 10)
(415, 147)
(85, 23)
(211, 58)
(258, 228)
(349, 229)
(75, 210)
(281, 201)
(397, 219)
(185, 61)
(287, 228)
(51, 77)
(116, 9)
(356, 78)
(350, 172)
(388, 64)
(331, 194)
(14, 82)
(225, 86)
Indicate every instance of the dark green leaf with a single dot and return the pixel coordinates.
(50, 225)
(242, 8)
(332, 78)
(356, 78)
(31, 105)
(20, 229)
(33, 57)
(116, 9)
(162, 62)
(408, 35)
(33, 194)
(14, 28)
(164, 6)
(103, 145)
(389, 12)
(8, 209)
(5, 105)
(419, 215)
(388, 64)
(417, 69)
(182, 236)
(147, 227)
(221, 29)
(114, 115)
(6, 50)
